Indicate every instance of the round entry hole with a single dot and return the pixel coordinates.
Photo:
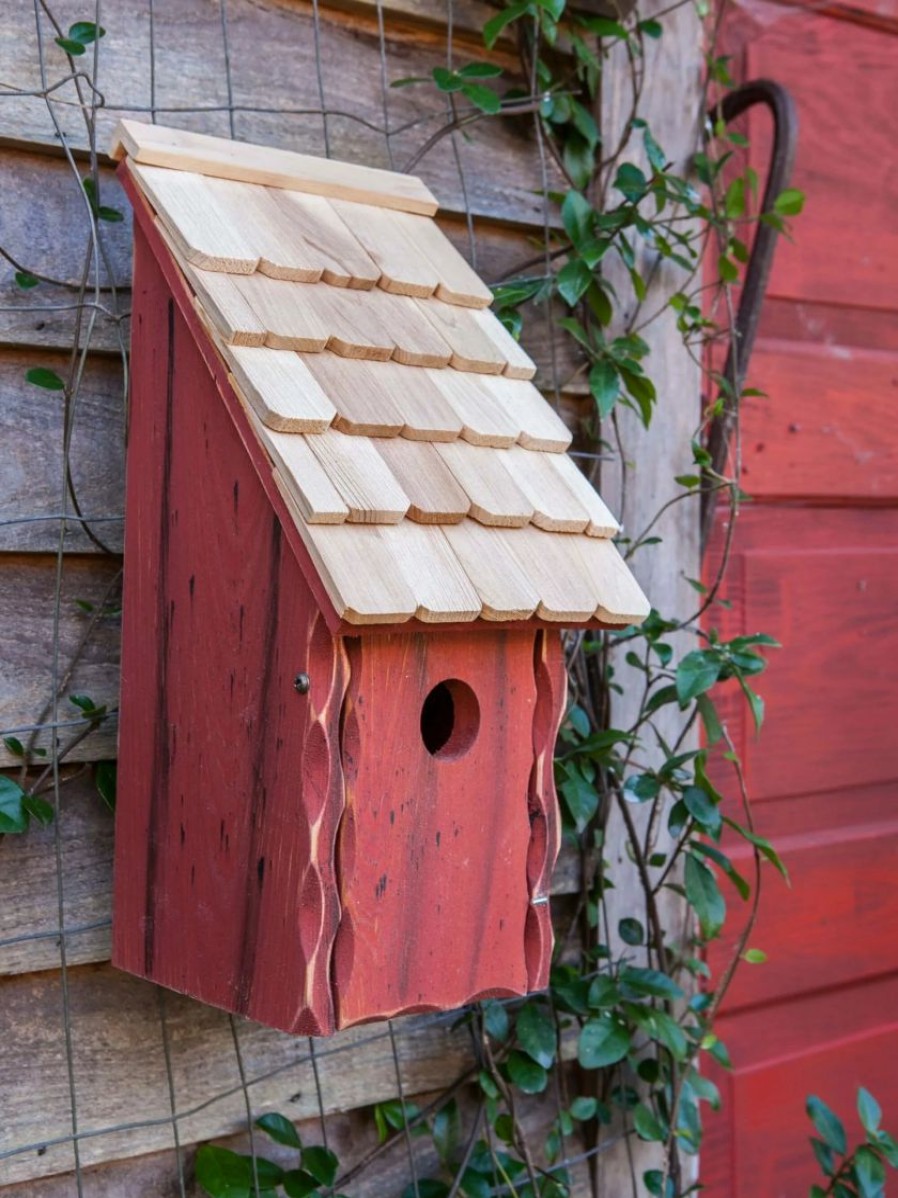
(450, 719)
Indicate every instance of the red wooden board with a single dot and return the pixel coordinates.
(439, 861)
(815, 563)
(228, 806)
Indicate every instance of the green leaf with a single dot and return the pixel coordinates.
(762, 844)
(14, 746)
(651, 28)
(604, 1041)
(577, 217)
(113, 215)
(536, 1033)
(39, 809)
(584, 1108)
(631, 182)
(321, 1163)
(496, 24)
(446, 1131)
(631, 931)
(869, 1172)
(727, 269)
(704, 894)
(604, 384)
(710, 720)
(754, 956)
(696, 673)
(278, 1127)
(476, 1185)
(226, 1174)
(495, 1020)
(653, 151)
(526, 1074)
(13, 813)
(86, 32)
(298, 1183)
(480, 70)
(642, 787)
(789, 202)
(105, 775)
(573, 280)
(427, 1187)
(70, 46)
(651, 982)
(734, 201)
(581, 798)
(702, 810)
(647, 1126)
(446, 81)
(829, 1126)
(482, 97)
(40, 376)
(26, 280)
(869, 1111)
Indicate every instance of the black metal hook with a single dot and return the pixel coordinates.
(757, 274)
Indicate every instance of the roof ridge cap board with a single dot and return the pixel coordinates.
(181, 149)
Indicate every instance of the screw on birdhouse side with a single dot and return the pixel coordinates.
(301, 684)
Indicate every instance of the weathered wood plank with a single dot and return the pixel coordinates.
(337, 67)
(31, 455)
(28, 885)
(120, 1070)
(27, 611)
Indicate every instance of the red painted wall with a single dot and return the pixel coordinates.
(816, 565)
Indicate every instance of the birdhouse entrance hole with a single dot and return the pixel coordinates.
(450, 719)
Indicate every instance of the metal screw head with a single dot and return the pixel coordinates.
(301, 684)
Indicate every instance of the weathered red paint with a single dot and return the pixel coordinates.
(303, 859)
(815, 564)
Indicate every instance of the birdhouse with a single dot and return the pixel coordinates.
(353, 536)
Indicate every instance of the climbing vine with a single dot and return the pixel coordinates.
(624, 1033)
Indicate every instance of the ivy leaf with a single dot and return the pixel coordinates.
(298, 1183)
(604, 384)
(495, 1020)
(869, 1172)
(39, 808)
(25, 280)
(40, 376)
(583, 1109)
(581, 798)
(105, 775)
(496, 24)
(651, 28)
(631, 931)
(704, 895)
(321, 1163)
(278, 1127)
(482, 97)
(226, 1174)
(536, 1034)
(604, 1041)
(631, 182)
(829, 1126)
(703, 810)
(13, 813)
(577, 217)
(480, 70)
(427, 1187)
(650, 982)
(653, 151)
(526, 1074)
(14, 746)
(573, 280)
(647, 1126)
(789, 202)
(869, 1111)
(696, 673)
(754, 956)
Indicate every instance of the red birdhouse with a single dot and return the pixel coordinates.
(353, 535)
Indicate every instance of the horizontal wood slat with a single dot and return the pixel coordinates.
(190, 73)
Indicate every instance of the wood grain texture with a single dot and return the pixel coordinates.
(203, 229)
(494, 496)
(442, 590)
(413, 396)
(361, 393)
(190, 74)
(338, 254)
(404, 270)
(27, 619)
(220, 300)
(215, 629)
(541, 426)
(361, 476)
(119, 1062)
(518, 363)
(555, 507)
(301, 475)
(31, 460)
(429, 844)
(158, 145)
(568, 593)
(505, 590)
(29, 885)
(282, 390)
(601, 522)
(435, 497)
(471, 348)
(483, 420)
(358, 570)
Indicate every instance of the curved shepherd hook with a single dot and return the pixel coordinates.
(785, 140)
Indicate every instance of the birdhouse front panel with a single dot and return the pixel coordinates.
(352, 536)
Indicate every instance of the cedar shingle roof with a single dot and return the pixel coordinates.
(425, 472)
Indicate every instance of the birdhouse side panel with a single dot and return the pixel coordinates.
(443, 839)
(230, 785)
